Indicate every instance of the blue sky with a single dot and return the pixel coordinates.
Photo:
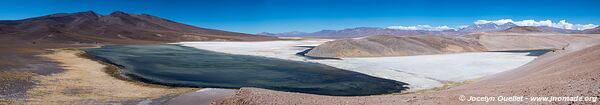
(253, 16)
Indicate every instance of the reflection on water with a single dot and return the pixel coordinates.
(531, 52)
(184, 66)
(537, 52)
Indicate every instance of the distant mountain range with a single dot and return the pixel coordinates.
(117, 27)
(492, 27)
(371, 31)
(557, 30)
(361, 32)
(523, 29)
(591, 31)
(488, 27)
(293, 33)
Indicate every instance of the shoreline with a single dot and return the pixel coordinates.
(129, 56)
(115, 72)
(87, 81)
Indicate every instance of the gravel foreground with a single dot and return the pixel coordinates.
(562, 73)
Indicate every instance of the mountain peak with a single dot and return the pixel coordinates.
(118, 13)
(86, 14)
(487, 27)
(487, 24)
(509, 24)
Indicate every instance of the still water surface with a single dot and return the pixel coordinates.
(176, 65)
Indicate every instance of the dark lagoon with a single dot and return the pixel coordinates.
(175, 65)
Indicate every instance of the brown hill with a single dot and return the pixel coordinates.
(117, 27)
(385, 45)
(591, 31)
(523, 29)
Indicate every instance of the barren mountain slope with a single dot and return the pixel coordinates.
(117, 27)
(384, 45)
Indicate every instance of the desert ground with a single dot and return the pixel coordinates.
(85, 81)
(57, 74)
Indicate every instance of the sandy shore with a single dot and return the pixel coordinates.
(85, 81)
(204, 96)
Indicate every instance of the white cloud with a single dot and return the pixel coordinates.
(463, 26)
(499, 22)
(421, 27)
(561, 24)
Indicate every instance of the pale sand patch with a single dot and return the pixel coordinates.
(201, 97)
(85, 81)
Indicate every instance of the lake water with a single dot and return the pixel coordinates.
(421, 71)
(531, 52)
(176, 65)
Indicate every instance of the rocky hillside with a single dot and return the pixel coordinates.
(117, 27)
